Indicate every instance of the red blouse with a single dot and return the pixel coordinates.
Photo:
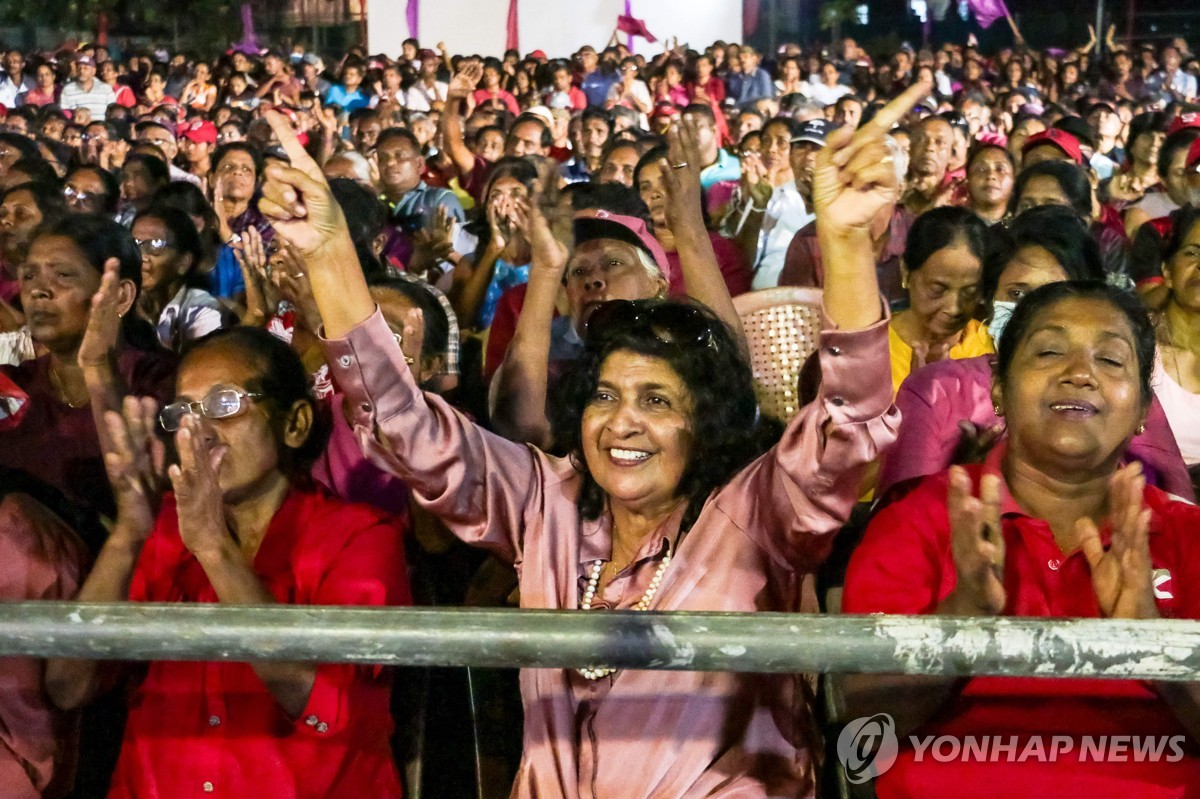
(903, 565)
(213, 729)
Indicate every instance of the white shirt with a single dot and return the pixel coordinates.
(786, 213)
(640, 92)
(828, 95)
(421, 97)
(97, 100)
(190, 314)
(1182, 408)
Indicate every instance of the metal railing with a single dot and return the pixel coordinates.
(739, 642)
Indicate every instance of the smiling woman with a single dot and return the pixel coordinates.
(667, 500)
(1050, 525)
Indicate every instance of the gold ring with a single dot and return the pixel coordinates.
(680, 165)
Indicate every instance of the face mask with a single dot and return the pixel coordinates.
(1001, 312)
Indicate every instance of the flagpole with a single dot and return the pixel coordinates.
(1099, 28)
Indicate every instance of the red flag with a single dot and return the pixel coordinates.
(634, 27)
(511, 37)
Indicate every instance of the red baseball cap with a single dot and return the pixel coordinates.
(200, 131)
(1060, 139)
(1193, 156)
(595, 223)
(539, 55)
(1191, 120)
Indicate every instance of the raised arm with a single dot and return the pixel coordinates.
(480, 485)
(685, 217)
(517, 401)
(460, 89)
(806, 486)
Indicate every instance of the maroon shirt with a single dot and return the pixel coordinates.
(802, 265)
(58, 444)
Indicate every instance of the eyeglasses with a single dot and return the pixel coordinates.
(221, 403)
(74, 195)
(152, 246)
(674, 323)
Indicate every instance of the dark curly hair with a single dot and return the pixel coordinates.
(727, 430)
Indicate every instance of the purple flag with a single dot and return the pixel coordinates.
(988, 11)
(412, 14)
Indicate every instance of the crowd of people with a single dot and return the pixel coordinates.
(459, 330)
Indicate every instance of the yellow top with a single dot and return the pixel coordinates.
(975, 341)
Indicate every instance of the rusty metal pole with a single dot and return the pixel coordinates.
(738, 642)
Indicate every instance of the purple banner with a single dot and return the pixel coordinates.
(988, 11)
(629, 13)
(413, 16)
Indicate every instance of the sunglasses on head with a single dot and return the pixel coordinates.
(669, 322)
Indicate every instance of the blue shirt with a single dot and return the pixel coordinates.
(422, 202)
(352, 101)
(755, 87)
(727, 167)
(595, 86)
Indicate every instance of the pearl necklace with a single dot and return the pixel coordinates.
(589, 593)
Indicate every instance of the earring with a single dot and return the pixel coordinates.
(999, 411)
(1141, 429)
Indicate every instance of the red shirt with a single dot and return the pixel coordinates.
(212, 729)
(729, 260)
(486, 97)
(903, 565)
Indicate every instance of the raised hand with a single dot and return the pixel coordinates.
(135, 459)
(433, 245)
(297, 200)
(681, 175)
(104, 320)
(198, 497)
(855, 176)
(547, 251)
(756, 187)
(464, 82)
(498, 209)
(1122, 576)
(290, 278)
(977, 546)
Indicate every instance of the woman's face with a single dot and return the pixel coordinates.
(1022, 132)
(491, 146)
(57, 286)
(510, 187)
(202, 73)
(248, 440)
(1032, 266)
(653, 192)
(1042, 190)
(704, 69)
(990, 179)
(399, 311)
(791, 71)
(45, 77)
(637, 437)
(943, 293)
(85, 192)
(776, 147)
(1146, 146)
(19, 217)
(238, 175)
(162, 264)
(1072, 398)
(136, 183)
(1182, 272)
